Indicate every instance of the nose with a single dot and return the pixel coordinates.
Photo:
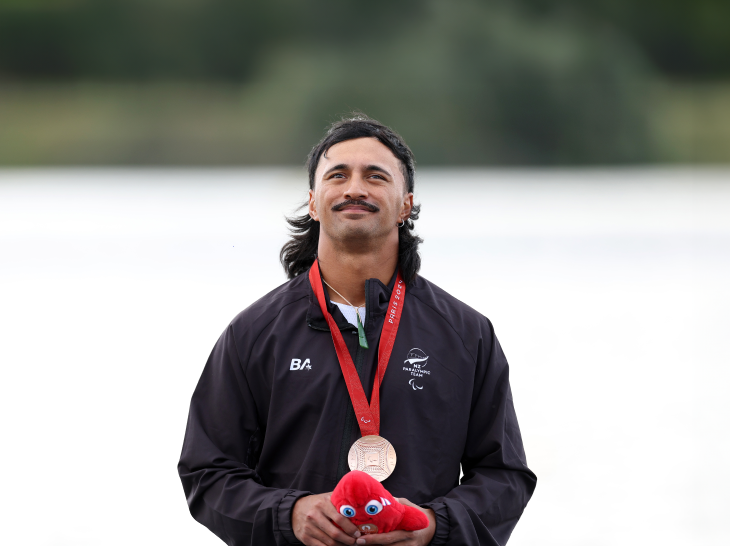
(356, 187)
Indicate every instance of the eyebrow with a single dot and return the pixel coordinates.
(378, 169)
(344, 166)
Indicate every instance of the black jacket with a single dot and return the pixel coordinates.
(271, 420)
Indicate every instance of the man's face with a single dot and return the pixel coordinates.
(359, 191)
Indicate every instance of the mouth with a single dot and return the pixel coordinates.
(355, 205)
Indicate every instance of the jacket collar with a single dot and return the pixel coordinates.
(377, 299)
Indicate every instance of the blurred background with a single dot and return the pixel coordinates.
(466, 82)
(573, 167)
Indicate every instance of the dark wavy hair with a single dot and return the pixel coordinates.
(299, 253)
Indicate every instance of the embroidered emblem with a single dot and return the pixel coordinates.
(415, 364)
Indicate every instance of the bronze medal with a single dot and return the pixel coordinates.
(373, 455)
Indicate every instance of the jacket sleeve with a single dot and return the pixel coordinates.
(496, 486)
(218, 461)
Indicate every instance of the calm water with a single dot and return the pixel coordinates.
(608, 291)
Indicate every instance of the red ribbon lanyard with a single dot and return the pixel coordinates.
(368, 415)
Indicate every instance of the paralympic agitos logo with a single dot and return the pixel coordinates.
(415, 364)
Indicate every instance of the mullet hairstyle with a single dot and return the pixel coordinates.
(299, 253)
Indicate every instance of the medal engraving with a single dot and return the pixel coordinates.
(373, 455)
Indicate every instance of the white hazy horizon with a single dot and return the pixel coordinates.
(608, 290)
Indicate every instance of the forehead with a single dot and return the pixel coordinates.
(360, 153)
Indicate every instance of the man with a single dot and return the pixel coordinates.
(276, 412)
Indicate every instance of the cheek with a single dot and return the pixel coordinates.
(318, 203)
(324, 200)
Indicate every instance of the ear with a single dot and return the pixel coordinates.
(406, 207)
(312, 206)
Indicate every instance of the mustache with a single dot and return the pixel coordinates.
(359, 202)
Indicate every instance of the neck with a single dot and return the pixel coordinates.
(347, 267)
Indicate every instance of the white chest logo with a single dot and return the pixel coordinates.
(415, 364)
(297, 364)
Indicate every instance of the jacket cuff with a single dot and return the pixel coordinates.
(443, 525)
(283, 514)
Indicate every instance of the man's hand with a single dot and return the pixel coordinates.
(313, 521)
(405, 538)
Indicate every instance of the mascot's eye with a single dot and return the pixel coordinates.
(348, 511)
(373, 507)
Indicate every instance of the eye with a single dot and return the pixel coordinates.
(373, 507)
(348, 511)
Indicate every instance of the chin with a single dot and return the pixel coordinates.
(358, 232)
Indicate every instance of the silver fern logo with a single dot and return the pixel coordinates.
(415, 364)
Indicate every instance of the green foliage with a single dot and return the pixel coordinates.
(132, 40)
(683, 38)
(223, 39)
(465, 81)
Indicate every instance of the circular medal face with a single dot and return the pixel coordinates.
(368, 528)
(373, 455)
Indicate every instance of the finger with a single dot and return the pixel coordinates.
(323, 523)
(336, 533)
(393, 537)
(345, 524)
(313, 542)
(320, 538)
(309, 540)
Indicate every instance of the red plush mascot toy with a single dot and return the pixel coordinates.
(368, 505)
